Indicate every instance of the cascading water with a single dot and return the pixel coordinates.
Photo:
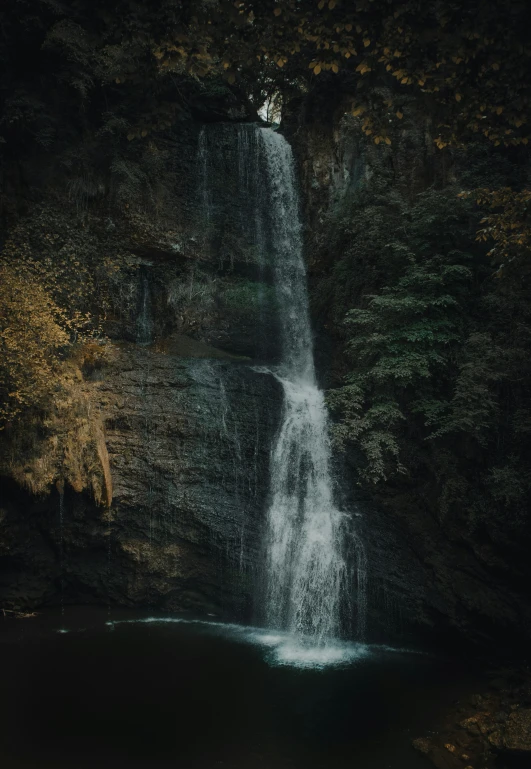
(309, 542)
(144, 321)
(61, 544)
(307, 570)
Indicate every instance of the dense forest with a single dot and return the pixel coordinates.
(135, 301)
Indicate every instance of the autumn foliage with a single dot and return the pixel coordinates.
(506, 226)
(32, 335)
(469, 62)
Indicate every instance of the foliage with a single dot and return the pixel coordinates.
(506, 223)
(436, 393)
(33, 330)
(471, 63)
(404, 340)
(468, 63)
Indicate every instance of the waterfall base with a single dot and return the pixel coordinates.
(155, 694)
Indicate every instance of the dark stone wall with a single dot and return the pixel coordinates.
(188, 442)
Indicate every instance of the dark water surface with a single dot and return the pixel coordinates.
(154, 695)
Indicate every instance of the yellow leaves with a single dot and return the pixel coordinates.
(507, 221)
(366, 42)
(366, 126)
(458, 97)
(317, 69)
(358, 111)
(363, 68)
(335, 67)
(277, 11)
(33, 328)
(440, 143)
(499, 110)
(399, 114)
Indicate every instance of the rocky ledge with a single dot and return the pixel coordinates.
(487, 731)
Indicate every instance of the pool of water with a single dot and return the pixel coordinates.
(99, 690)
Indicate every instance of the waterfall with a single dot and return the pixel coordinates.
(310, 545)
(307, 535)
(144, 321)
(61, 543)
(204, 179)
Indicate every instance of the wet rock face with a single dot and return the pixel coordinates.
(188, 442)
(187, 425)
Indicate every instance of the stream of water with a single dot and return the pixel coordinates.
(308, 578)
(314, 562)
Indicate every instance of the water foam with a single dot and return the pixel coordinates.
(280, 648)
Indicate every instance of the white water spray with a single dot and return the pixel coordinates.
(307, 536)
(315, 564)
(61, 545)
